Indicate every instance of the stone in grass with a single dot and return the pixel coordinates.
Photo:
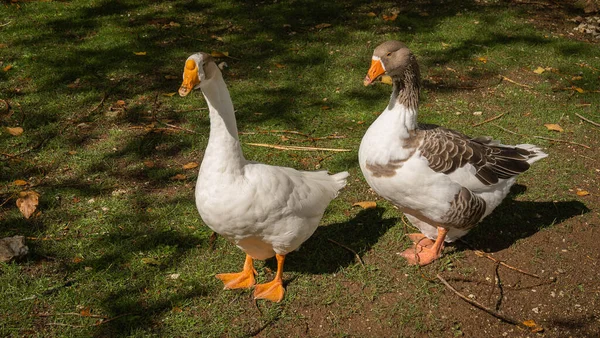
(12, 247)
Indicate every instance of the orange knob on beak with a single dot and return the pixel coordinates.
(190, 78)
(375, 71)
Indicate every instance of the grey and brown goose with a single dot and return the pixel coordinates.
(443, 181)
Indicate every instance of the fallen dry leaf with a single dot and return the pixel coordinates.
(169, 94)
(482, 59)
(371, 14)
(216, 54)
(28, 202)
(390, 17)
(576, 78)
(3, 45)
(582, 192)
(179, 177)
(533, 326)
(150, 261)
(190, 165)
(77, 260)
(554, 127)
(16, 131)
(139, 53)
(218, 38)
(20, 182)
(149, 164)
(85, 312)
(539, 70)
(120, 103)
(279, 65)
(579, 90)
(365, 204)
(7, 68)
(322, 25)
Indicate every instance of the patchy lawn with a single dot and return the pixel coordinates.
(116, 247)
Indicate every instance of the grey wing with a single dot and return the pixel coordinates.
(447, 150)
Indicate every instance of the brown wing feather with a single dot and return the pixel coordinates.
(447, 150)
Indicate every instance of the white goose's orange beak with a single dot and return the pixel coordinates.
(190, 78)
(375, 71)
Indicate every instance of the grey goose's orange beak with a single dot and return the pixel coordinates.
(375, 71)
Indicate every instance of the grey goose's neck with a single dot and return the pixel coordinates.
(405, 97)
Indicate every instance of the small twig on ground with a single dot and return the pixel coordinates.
(104, 97)
(280, 147)
(69, 314)
(488, 120)
(514, 82)
(496, 314)
(26, 151)
(8, 199)
(180, 128)
(483, 254)
(588, 120)
(347, 248)
(563, 141)
(545, 138)
(6, 24)
(95, 324)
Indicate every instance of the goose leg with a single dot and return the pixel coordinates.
(239, 280)
(272, 290)
(423, 255)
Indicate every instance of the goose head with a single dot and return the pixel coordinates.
(392, 58)
(196, 71)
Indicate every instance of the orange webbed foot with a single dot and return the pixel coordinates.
(272, 291)
(239, 280)
(420, 240)
(420, 255)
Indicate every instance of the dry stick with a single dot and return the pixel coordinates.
(588, 120)
(347, 248)
(180, 128)
(295, 147)
(483, 254)
(69, 314)
(488, 120)
(514, 82)
(482, 307)
(99, 104)
(544, 138)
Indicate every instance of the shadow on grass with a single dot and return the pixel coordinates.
(514, 220)
(319, 255)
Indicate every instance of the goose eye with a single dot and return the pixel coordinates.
(389, 54)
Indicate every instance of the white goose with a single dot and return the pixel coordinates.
(443, 181)
(265, 210)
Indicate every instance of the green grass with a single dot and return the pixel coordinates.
(123, 239)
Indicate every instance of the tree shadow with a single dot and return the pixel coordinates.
(320, 255)
(513, 220)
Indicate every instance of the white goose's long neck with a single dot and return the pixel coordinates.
(223, 152)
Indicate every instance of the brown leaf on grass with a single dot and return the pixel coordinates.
(279, 65)
(176, 309)
(554, 127)
(86, 312)
(20, 182)
(582, 192)
(16, 131)
(3, 45)
(149, 164)
(7, 68)
(387, 80)
(365, 204)
(482, 59)
(150, 261)
(139, 53)
(579, 90)
(179, 177)
(576, 78)
(371, 14)
(169, 94)
(218, 38)
(216, 54)
(392, 17)
(322, 25)
(190, 165)
(539, 70)
(77, 260)
(28, 202)
(325, 107)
